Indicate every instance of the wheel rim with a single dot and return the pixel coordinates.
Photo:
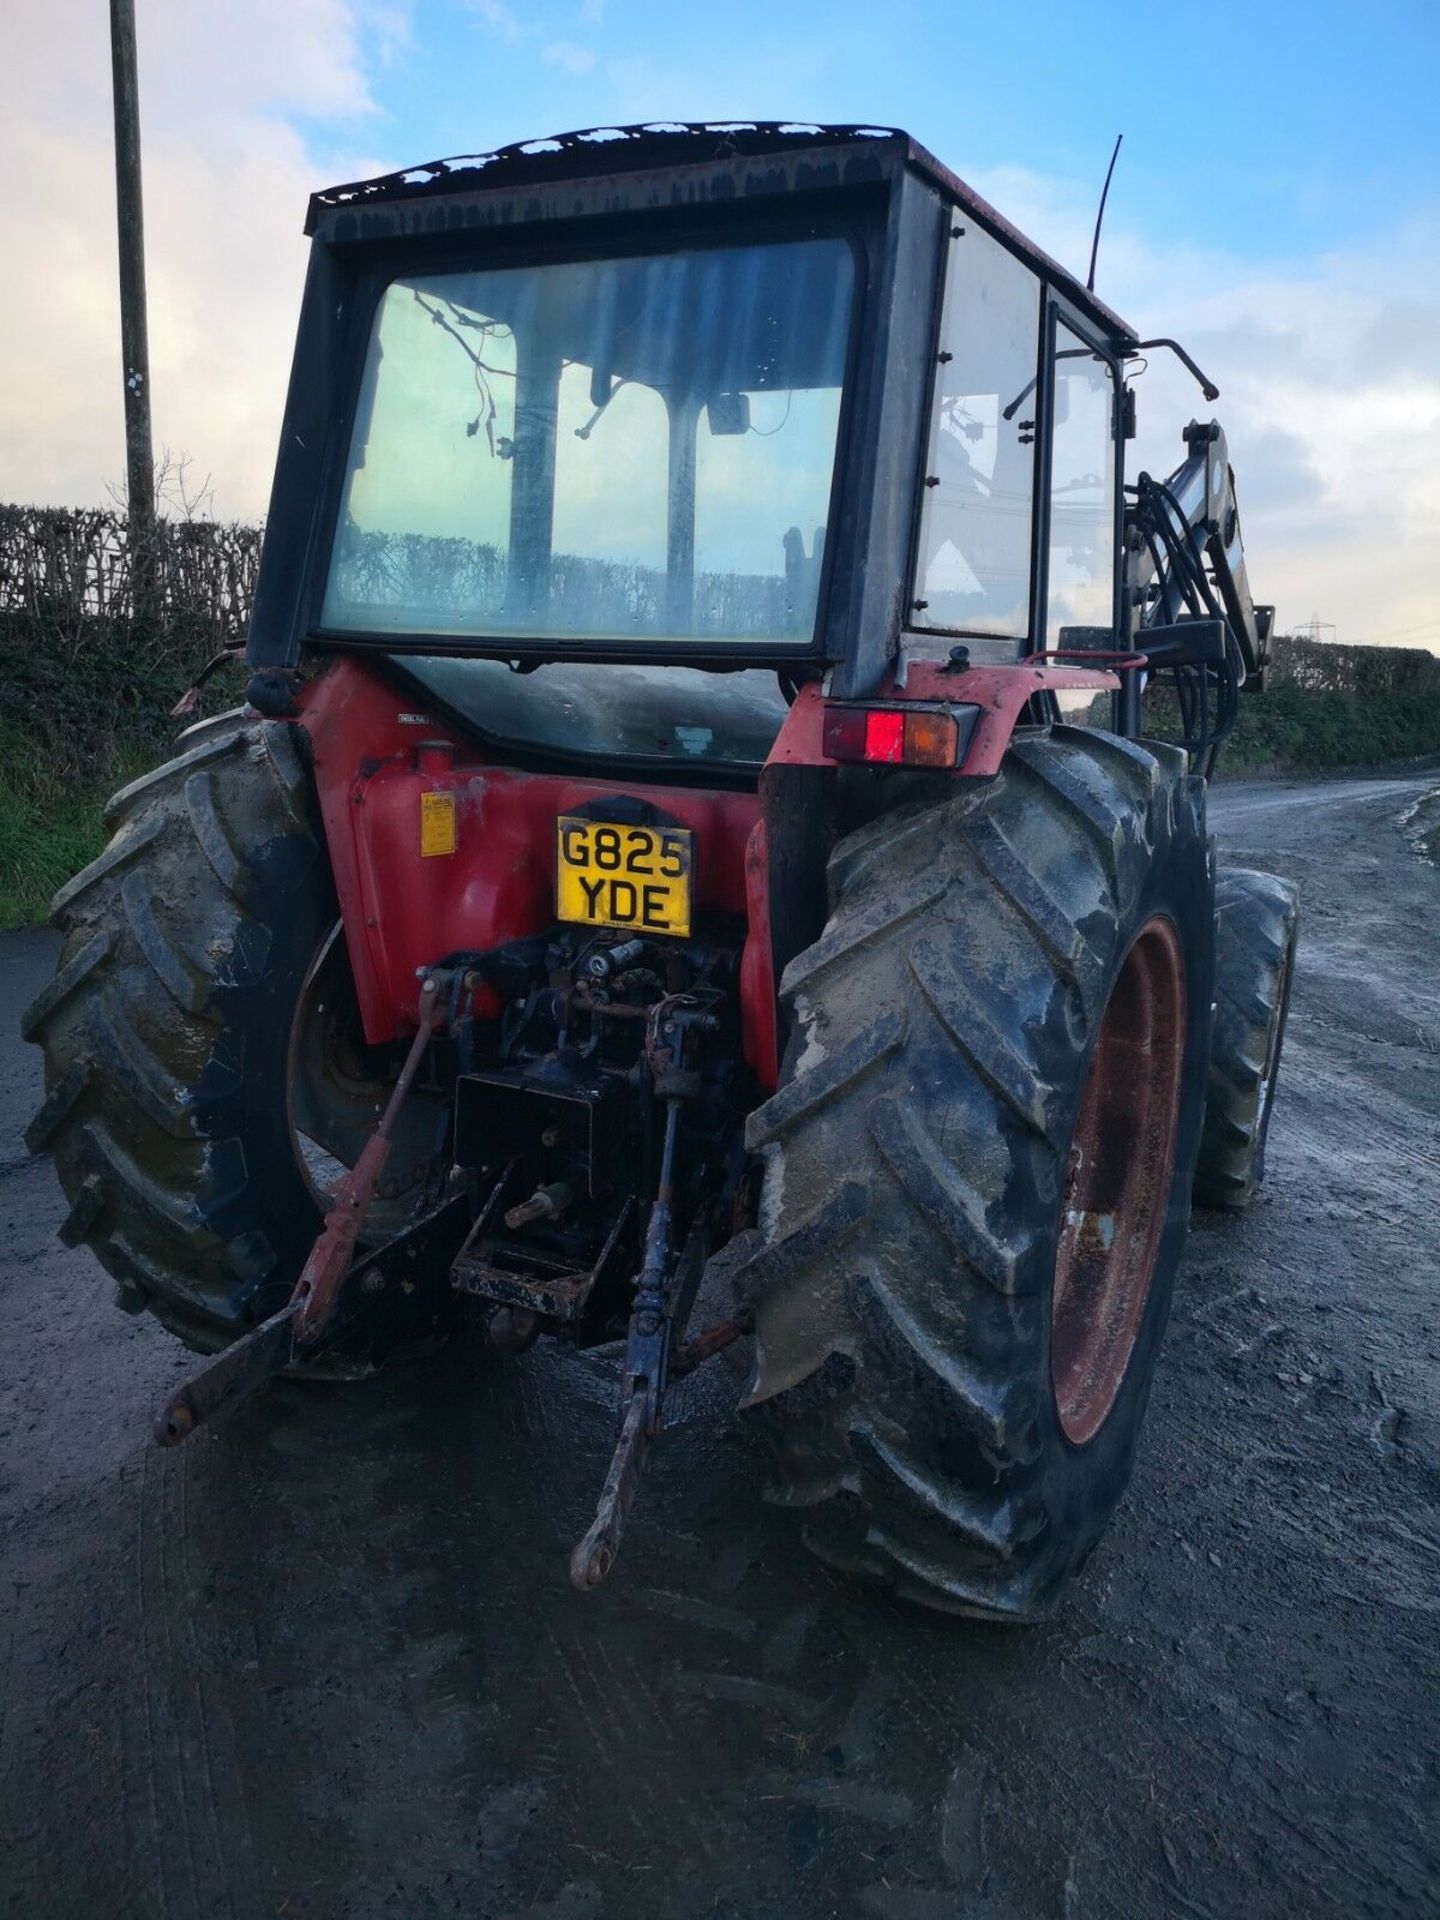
(1117, 1189)
(336, 1089)
(1272, 1049)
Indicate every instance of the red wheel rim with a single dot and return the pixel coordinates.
(1117, 1187)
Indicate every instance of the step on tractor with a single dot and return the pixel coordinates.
(692, 870)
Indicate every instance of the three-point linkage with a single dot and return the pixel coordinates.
(322, 1303)
(664, 1292)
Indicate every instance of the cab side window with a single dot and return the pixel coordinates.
(978, 504)
(1081, 589)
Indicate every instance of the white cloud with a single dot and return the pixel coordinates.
(1336, 435)
(498, 17)
(1329, 377)
(1329, 368)
(270, 55)
(226, 178)
(569, 56)
(392, 28)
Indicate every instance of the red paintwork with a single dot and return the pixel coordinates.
(402, 912)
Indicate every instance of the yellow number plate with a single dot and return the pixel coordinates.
(613, 876)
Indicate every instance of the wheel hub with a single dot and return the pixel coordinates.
(1117, 1190)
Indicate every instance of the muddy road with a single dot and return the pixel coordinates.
(324, 1660)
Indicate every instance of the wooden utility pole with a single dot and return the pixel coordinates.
(134, 333)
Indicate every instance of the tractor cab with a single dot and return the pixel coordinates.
(773, 400)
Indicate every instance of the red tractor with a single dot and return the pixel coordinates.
(658, 846)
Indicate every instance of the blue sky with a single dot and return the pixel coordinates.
(1277, 206)
(1269, 130)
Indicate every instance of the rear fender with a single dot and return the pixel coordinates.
(1001, 693)
(796, 791)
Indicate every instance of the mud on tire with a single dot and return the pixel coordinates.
(166, 1032)
(917, 1155)
(1256, 924)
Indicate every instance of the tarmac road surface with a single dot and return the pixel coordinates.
(324, 1660)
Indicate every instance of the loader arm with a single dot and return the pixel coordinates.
(1186, 555)
(1191, 609)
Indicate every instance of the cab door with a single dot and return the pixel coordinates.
(1081, 544)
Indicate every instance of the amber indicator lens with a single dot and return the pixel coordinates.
(931, 740)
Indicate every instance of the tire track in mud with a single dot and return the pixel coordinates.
(19, 1844)
(563, 1425)
(662, 1721)
(194, 1841)
(833, 1774)
(236, 1861)
(630, 1728)
(151, 1853)
(178, 1511)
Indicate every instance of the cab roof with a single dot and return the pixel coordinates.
(816, 155)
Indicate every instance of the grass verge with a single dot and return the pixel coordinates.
(50, 821)
(51, 802)
(1293, 729)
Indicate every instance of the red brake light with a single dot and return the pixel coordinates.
(902, 736)
(884, 736)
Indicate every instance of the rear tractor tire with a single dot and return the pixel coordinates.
(1256, 925)
(978, 1174)
(204, 1085)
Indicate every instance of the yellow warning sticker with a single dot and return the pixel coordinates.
(437, 824)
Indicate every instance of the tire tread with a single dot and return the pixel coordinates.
(899, 1354)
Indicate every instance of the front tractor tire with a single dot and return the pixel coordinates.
(176, 1061)
(978, 1174)
(1256, 923)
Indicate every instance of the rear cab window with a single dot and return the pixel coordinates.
(610, 451)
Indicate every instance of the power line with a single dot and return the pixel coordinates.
(1399, 633)
(1315, 627)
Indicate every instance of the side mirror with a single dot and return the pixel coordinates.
(728, 413)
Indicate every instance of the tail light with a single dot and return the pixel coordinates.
(917, 734)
